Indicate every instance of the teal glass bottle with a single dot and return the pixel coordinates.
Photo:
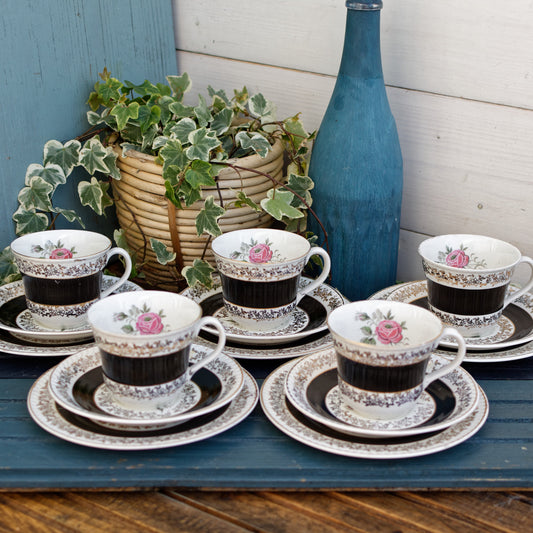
(356, 164)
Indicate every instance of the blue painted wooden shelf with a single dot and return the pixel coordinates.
(256, 455)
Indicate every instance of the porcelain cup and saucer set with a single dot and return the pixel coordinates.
(392, 386)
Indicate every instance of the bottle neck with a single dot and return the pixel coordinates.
(361, 55)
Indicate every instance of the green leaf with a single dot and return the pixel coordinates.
(36, 195)
(183, 129)
(218, 95)
(300, 185)
(179, 84)
(202, 112)
(296, 130)
(110, 160)
(161, 252)
(170, 193)
(29, 221)
(93, 155)
(123, 113)
(278, 204)
(206, 220)
(94, 194)
(199, 272)
(66, 156)
(148, 116)
(199, 174)
(243, 200)
(222, 121)
(172, 154)
(109, 91)
(189, 194)
(202, 142)
(8, 268)
(52, 174)
(119, 236)
(261, 107)
(147, 88)
(94, 118)
(256, 142)
(180, 110)
(70, 215)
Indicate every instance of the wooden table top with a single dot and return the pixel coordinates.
(261, 511)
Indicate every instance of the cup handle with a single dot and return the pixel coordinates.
(127, 270)
(526, 288)
(316, 250)
(461, 351)
(209, 320)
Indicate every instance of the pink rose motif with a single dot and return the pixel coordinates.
(389, 332)
(149, 324)
(260, 253)
(457, 259)
(61, 253)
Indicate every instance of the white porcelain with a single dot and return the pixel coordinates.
(261, 256)
(304, 377)
(144, 340)
(304, 321)
(378, 344)
(301, 429)
(475, 263)
(78, 430)
(102, 409)
(73, 259)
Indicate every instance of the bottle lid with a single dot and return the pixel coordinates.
(364, 5)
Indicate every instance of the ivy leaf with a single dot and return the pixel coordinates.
(199, 174)
(92, 156)
(199, 272)
(119, 235)
(296, 130)
(300, 185)
(29, 221)
(70, 215)
(170, 193)
(222, 121)
(179, 84)
(202, 112)
(243, 200)
(8, 267)
(220, 94)
(108, 91)
(180, 110)
(202, 142)
(94, 194)
(66, 156)
(161, 252)
(206, 220)
(278, 204)
(110, 160)
(148, 116)
(261, 107)
(36, 195)
(172, 155)
(256, 142)
(183, 129)
(123, 113)
(52, 174)
(189, 194)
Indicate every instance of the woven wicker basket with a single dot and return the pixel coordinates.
(143, 211)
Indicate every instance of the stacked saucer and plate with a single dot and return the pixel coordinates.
(146, 384)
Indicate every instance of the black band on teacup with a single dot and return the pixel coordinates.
(381, 378)
(145, 371)
(66, 291)
(260, 295)
(466, 301)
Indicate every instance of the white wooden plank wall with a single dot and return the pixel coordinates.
(460, 82)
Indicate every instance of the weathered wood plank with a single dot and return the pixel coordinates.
(475, 50)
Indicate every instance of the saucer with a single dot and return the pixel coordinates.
(311, 387)
(311, 433)
(76, 384)
(17, 320)
(308, 319)
(80, 430)
(514, 327)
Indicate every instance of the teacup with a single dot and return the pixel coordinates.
(468, 279)
(62, 274)
(383, 349)
(144, 338)
(260, 271)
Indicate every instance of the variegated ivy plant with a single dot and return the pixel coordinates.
(192, 143)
